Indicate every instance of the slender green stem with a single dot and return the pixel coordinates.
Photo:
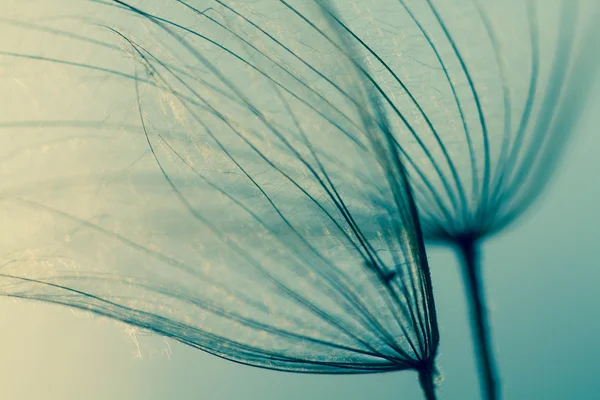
(468, 251)
(426, 380)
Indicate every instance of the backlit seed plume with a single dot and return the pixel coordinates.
(482, 97)
(256, 208)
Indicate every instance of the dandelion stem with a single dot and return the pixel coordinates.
(467, 249)
(426, 380)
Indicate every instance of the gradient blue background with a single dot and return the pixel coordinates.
(542, 278)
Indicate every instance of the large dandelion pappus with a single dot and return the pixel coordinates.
(481, 110)
(260, 211)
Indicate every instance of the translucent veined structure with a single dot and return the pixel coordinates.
(482, 104)
(478, 98)
(258, 210)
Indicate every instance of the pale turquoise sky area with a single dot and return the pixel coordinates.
(542, 278)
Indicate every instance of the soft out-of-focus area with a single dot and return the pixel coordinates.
(78, 121)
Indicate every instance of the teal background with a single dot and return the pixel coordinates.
(542, 276)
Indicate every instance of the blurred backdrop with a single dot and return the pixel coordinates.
(542, 277)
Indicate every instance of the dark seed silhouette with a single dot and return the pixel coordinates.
(481, 110)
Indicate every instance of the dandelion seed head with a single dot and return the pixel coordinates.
(262, 187)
